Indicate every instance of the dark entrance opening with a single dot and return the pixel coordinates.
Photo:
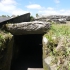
(27, 52)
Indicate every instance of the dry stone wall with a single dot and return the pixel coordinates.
(6, 50)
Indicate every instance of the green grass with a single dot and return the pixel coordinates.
(3, 38)
(59, 31)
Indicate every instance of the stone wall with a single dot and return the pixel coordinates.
(6, 48)
(45, 41)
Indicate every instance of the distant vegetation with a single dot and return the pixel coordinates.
(37, 15)
(5, 16)
(9, 16)
(32, 18)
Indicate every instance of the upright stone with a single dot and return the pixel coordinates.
(21, 18)
(6, 48)
(18, 19)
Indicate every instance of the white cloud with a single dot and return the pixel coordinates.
(57, 1)
(8, 2)
(10, 6)
(19, 12)
(52, 11)
(33, 6)
(50, 8)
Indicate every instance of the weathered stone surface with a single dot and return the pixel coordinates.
(34, 27)
(54, 18)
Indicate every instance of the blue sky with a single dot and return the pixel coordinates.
(42, 7)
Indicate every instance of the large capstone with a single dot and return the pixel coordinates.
(34, 27)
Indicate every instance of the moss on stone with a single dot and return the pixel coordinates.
(6, 46)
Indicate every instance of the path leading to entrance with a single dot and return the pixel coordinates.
(35, 69)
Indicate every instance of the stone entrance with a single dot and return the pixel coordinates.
(27, 52)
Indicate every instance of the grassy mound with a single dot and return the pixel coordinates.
(58, 47)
